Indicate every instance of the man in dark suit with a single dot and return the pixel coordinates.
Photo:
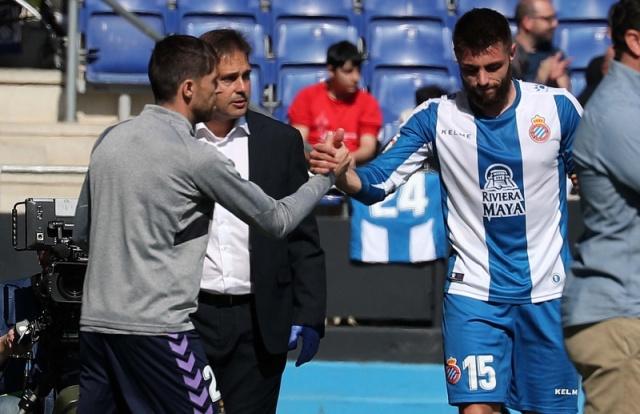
(258, 295)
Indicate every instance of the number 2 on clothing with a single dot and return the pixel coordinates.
(480, 372)
(411, 197)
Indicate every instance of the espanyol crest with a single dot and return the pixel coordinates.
(539, 131)
(452, 371)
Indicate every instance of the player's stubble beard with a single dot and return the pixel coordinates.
(498, 101)
(204, 109)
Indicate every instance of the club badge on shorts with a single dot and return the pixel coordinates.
(452, 371)
(539, 131)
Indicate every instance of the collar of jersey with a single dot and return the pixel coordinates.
(509, 112)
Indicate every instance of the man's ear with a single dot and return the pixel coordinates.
(512, 51)
(526, 23)
(331, 71)
(186, 90)
(632, 39)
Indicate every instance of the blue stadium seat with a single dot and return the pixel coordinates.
(394, 88)
(190, 13)
(307, 40)
(582, 34)
(257, 85)
(582, 41)
(291, 80)
(404, 55)
(583, 9)
(195, 17)
(505, 7)
(406, 33)
(409, 42)
(375, 9)
(118, 52)
(303, 30)
(334, 9)
(301, 54)
(578, 81)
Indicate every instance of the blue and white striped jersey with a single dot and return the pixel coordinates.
(504, 189)
(406, 227)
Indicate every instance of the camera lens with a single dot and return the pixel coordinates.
(71, 285)
(70, 280)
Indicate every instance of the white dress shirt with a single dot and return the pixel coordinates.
(226, 267)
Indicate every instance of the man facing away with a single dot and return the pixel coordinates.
(256, 292)
(339, 102)
(601, 303)
(143, 213)
(537, 59)
(503, 148)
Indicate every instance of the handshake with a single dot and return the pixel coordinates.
(332, 156)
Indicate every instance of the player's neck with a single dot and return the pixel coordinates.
(630, 61)
(333, 94)
(499, 108)
(180, 107)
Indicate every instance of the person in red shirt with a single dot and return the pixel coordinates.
(339, 102)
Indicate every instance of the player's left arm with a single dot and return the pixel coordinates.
(306, 257)
(569, 113)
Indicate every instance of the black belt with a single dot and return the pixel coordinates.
(223, 300)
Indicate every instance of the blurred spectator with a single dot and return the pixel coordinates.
(537, 59)
(339, 102)
(423, 94)
(596, 70)
(601, 306)
(390, 130)
(9, 346)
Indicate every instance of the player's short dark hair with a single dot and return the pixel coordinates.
(623, 15)
(175, 59)
(342, 52)
(478, 29)
(227, 41)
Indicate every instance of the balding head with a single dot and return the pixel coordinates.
(531, 8)
(536, 20)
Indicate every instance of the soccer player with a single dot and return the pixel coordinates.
(503, 149)
(144, 211)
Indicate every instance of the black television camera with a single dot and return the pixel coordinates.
(46, 226)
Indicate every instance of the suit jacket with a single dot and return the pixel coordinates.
(288, 276)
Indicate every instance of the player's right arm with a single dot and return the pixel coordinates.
(215, 176)
(384, 174)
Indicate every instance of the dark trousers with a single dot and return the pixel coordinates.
(248, 376)
(143, 374)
